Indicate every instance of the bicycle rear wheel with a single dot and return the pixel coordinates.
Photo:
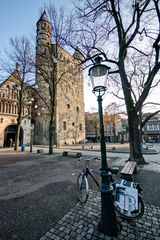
(82, 187)
(135, 214)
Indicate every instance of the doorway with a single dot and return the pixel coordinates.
(10, 133)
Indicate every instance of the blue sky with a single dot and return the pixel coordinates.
(19, 17)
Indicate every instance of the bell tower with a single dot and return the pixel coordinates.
(43, 46)
(43, 71)
(64, 70)
(44, 32)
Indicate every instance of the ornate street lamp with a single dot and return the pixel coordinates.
(108, 223)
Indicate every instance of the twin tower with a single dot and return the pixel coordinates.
(59, 78)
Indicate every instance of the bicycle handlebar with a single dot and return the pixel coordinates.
(88, 159)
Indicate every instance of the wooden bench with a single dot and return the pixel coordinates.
(77, 154)
(129, 170)
(86, 147)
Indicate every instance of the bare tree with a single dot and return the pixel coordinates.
(115, 30)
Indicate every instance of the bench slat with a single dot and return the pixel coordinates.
(129, 167)
(128, 170)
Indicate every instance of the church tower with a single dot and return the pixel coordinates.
(44, 30)
(54, 65)
(43, 47)
(43, 65)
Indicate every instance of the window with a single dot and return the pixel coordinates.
(15, 109)
(45, 51)
(1, 120)
(77, 109)
(153, 127)
(3, 107)
(64, 125)
(80, 127)
(73, 124)
(12, 107)
(9, 108)
(68, 106)
(8, 91)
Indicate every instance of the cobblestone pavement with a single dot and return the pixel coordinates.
(80, 223)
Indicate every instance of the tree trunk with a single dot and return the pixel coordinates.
(17, 137)
(140, 123)
(51, 134)
(134, 139)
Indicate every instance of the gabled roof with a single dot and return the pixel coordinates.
(15, 75)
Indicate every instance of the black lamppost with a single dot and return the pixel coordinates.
(31, 126)
(108, 223)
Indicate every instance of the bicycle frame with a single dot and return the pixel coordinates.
(86, 171)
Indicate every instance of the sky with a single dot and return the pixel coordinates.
(19, 17)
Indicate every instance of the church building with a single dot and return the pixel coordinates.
(9, 102)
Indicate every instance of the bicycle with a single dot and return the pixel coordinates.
(127, 197)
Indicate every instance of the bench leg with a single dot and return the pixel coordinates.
(65, 153)
(127, 177)
(79, 155)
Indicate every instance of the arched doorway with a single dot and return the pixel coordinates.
(10, 132)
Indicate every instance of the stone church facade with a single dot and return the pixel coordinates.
(9, 112)
(59, 72)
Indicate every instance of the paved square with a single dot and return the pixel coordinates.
(81, 223)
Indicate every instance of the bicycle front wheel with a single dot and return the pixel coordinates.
(82, 187)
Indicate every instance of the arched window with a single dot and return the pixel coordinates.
(77, 109)
(7, 109)
(8, 91)
(3, 107)
(44, 51)
(80, 127)
(12, 93)
(12, 107)
(68, 106)
(15, 109)
(64, 125)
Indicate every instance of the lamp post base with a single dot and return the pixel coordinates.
(108, 224)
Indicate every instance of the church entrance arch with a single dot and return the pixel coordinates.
(10, 133)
